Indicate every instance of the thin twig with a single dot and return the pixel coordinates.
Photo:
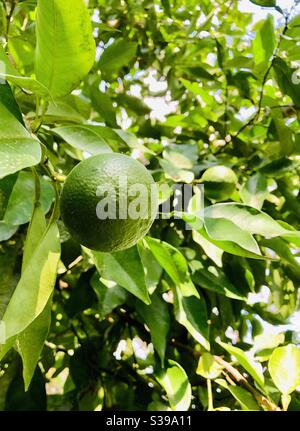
(229, 7)
(185, 347)
(239, 378)
(37, 193)
(266, 75)
(228, 378)
(55, 176)
(39, 119)
(285, 106)
(9, 17)
(226, 107)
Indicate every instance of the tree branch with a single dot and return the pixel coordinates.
(266, 75)
(239, 378)
(261, 399)
(9, 16)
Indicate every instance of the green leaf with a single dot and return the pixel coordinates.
(244, 398)
(61, 111)
(35, 233)
(124, 268)
(190, 310)
(5, 346)
(78, 102)
(30, 342)
(82, 296)
(9, 73)
(106, 28)
(217, 283)
(265, 342)
(34, 399)
(240, 62)
(230, 246)
(99, 138)
(133, 104)
(183, 156)
(6, 380)
(65, 50)
(285, 136)
(279, 167)
(35, 286)
(284, 367)
(8, 280)
(284, 76)
(166, 255)
(6, 186)
(195, 88)
(153, 271)
(107, 134)
(220, 53)
(104, 106)
(282, 249)
(218, 233)
(175, 382)
(264, 3)
(246, 218)
(84, 138)
(20, 205)
(3, 26)
(198, 72)
(120, 53)
(22, 51)
(292, 237)
(156, 317)
(167, 8)
(92, 399)
(293, 28)
(252, 367)
(208, 367)
(173, 172)
(255, 191)
(190, 307)
(131, 140)
(18, 149)
(109, 296)
(8, 100)
(7, 230)
(213, 252)
(264, 43)
(223, 229)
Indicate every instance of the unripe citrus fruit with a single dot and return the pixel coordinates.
(219, 182)
(109, 202)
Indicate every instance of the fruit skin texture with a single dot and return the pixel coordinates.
(219, 182)
(79, 202)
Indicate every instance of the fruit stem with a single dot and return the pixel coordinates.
(39, 118)
(37, 187)
(55, 178)
(56, 212)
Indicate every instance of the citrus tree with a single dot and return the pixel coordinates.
(201, 313)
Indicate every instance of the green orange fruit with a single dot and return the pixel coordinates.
(109, 202)
(219, 182)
